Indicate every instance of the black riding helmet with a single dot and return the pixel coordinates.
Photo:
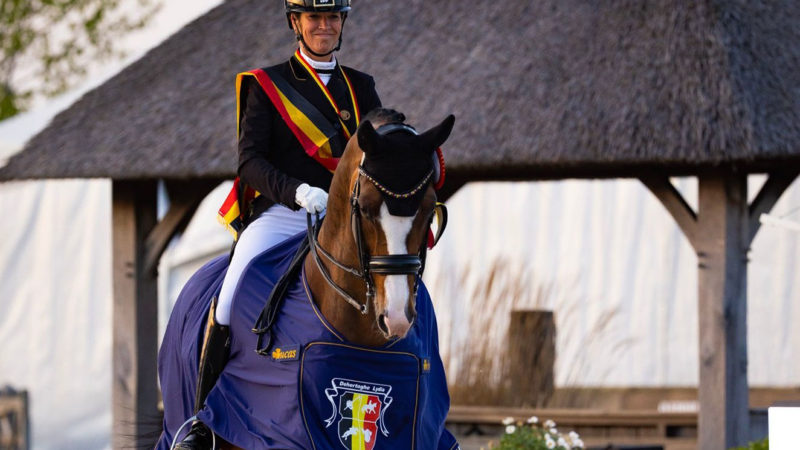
(301, 6)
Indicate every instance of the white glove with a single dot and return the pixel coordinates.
(313, 199)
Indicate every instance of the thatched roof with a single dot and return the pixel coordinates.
(540, 89)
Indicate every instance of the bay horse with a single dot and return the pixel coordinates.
(345, 352)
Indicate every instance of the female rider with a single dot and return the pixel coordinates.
(287, 161)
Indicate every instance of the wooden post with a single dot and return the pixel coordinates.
(134, 390)
(721, 233)
(722, 242)
(531, 356)
(14, 420)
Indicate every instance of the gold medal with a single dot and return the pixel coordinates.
(345, 114)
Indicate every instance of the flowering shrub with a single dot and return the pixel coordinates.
(757, 445)
(535, 436)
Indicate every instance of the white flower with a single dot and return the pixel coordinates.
(563, 443)
(573, 436)
(577, 443)
(549, 423)
(510, 429)
(508, 421)
(533, 419)
(554, 431)
(549, 442)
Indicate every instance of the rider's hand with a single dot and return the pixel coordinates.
(313, 199)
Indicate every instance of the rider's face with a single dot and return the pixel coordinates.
(320, 31)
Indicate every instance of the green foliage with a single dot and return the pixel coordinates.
(46, 45)
(9, 103)
(533, 436)
(756, 445)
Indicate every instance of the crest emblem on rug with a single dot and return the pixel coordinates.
(360, 407)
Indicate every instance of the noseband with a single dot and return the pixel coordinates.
(407, 264)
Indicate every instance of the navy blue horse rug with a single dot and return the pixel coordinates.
(314, 390)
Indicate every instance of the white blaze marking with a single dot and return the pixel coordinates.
(396, 229)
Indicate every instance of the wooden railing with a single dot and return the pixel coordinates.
(598, 428)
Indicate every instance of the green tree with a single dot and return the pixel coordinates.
(47, 45)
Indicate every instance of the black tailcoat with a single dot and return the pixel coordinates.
(271, 159)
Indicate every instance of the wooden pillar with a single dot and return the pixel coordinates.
(722, 243)
(134, 392)
(531, 356)
(721, 233)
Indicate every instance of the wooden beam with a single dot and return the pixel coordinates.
(675, 204)
(134, 392)
(184, 197)
(722, 242)
(766, 198)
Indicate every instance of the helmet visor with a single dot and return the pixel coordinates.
(317, 5)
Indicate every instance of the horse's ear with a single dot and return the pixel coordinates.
(435, 137)
(367, 136)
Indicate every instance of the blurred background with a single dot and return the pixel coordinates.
(600, 264)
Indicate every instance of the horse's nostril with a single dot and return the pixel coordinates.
(382, 324)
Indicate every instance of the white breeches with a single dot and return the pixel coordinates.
(272, 227)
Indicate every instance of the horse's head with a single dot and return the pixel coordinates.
(381, 204)
(395, 202)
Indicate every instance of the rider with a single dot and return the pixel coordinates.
(294, 121)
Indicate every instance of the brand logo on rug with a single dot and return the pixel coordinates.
(360, 407)
(284, 354)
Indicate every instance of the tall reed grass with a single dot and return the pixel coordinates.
(474, 323)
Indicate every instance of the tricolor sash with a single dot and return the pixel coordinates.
(328, 95)
(314, 132)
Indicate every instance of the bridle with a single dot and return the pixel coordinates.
(399, 264)
(368, 265)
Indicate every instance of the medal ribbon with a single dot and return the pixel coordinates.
(328, 95)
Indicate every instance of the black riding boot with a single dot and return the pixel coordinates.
(214, 355)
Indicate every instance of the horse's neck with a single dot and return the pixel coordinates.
(357, 328)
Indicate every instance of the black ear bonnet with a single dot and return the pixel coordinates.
(397, 158)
